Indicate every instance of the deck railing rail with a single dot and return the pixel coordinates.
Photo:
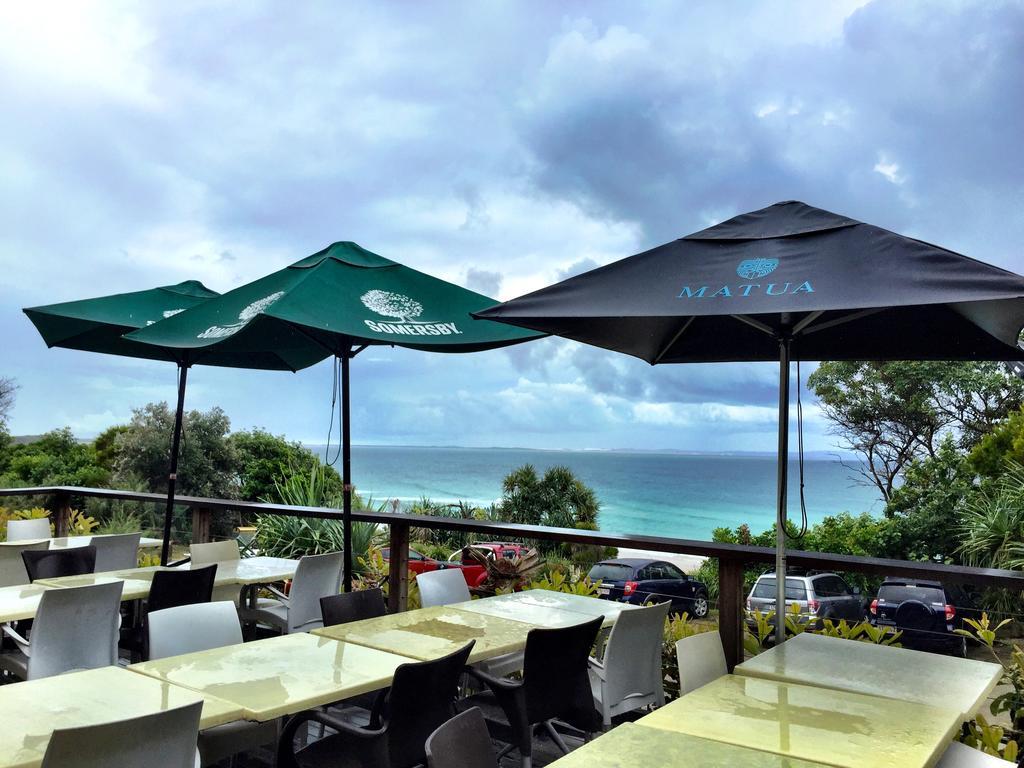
(732, 558)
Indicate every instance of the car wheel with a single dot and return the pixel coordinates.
(700, 606)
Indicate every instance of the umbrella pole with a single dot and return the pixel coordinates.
(783, 478)
(172, 476)
(346, 474)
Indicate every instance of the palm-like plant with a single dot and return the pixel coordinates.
(992, 525)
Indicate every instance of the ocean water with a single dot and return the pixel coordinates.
(660, 494)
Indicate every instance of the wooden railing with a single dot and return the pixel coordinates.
(732, 558)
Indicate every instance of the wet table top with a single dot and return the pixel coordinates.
(634, 746)
(833, 727)
(20, 602)
(33, 710)
(429, 633)
(895, 673)
(280, 675)
(65, 542)
(543, 608)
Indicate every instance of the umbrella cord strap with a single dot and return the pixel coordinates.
(800, 452)
(335, 387)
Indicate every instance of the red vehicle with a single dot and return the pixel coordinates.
(472, 570)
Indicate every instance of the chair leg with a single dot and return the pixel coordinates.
(556, 737)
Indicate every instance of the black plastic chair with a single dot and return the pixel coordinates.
(555, 686)
(421, 698)
(462, 742)
(179, 587)
(352, 606)
(54, 563)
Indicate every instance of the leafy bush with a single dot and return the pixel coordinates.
(120, 520)
(573, 582)
(504, 574)
(293, 537)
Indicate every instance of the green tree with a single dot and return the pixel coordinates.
(106, 446)
(207, 463)
(1004, 444)
(7, 390)
(264, 460)
(56, 458)
(558, 499)
(891, 414)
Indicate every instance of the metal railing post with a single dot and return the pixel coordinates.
(730, 609)
(398, 567)
(62, 516)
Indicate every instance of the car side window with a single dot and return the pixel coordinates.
(646, 573)
(671, 572)
(830, 586)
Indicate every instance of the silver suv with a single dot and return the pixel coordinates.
(822, 595)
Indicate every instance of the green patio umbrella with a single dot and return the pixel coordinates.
(99, 325)
(341, 299)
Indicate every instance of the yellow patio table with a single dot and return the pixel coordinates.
(634, 746)
(543, 608)
(134, 588)
(280, 675)
(20, 602)
(838, 728)
(878, 670)
(429, 633)
(66, 542)
(33, 710)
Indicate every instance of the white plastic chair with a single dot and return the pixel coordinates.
(74, 628)
(218, 552)
(22, 530)
(12, 567)
(442, 587)
(116, 552)
(167, 737)
(299, 611)
(200, 627)
(701, 659)
(448, 586)
(629, 675)
(961, 756)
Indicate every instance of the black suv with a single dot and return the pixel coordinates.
(639, 581)
(927, 612)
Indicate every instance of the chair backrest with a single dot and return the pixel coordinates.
(214, 552)
(12, 565)
(190, 628)
(179, 587)
(632, 657)
(421, 699)
(116, 552)
(169, 737)
(462, 742)
(54, 563)
(961, 756)
(75, 628)
(442, 587)
(36, 528)
(556, 674)
(701, 659)
(316, 576)
(352, 606)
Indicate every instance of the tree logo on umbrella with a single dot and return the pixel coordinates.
(751, 269)
(244, 318)
(406, 311)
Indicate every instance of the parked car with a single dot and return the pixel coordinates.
(420, 563)
(819, 596)
(639, 581)
(474, 572)
(928, 613)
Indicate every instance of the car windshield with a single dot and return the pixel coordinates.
(610, 572)
(795, 589)
(898, 593)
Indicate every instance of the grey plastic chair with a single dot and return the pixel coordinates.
(462, 742)
(961, 756)
(12, 567)
(448, 586)
(116, 552)
(200, 627)
(299, 611)
(629, 675)
(442, 587)
(166, 738)
(218, 552)
(701, 659)
(75, 628)
(23, 530)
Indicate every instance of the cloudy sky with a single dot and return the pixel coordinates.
(500, 145)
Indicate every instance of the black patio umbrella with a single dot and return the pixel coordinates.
(787, 282)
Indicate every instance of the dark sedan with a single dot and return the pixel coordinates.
(639, 581)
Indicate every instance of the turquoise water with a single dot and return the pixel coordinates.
(660, 494)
